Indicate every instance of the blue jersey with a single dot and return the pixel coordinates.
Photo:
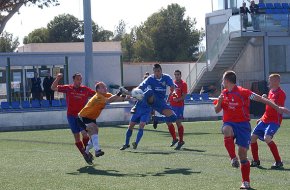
(143, 105)
(157, 85)
(143, 111)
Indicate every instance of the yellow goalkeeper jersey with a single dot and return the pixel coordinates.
(95, 105)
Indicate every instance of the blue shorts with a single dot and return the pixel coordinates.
(242, 133)
(73, 124)
(140, 116)
(263, 129)
(178, 110)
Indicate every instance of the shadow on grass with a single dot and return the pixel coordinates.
(182, 171)
(192, 150)
(167, 134)
(93, 171)
(152, 152)
(279, 169)
(115, 173)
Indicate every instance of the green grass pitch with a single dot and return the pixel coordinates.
(49, 160)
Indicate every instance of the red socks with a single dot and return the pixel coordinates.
(80, 146)
(86, 140)
(274, 150)
(254, 149)
(245, 169)
(180, 133)
(230, 146)
(172, 131)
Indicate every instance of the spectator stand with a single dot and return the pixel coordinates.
(34, 105)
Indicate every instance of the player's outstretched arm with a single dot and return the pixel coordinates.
(119, 97)
(268, 102)
(56, 81)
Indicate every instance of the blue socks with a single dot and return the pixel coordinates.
(128, 136)
(139, 135)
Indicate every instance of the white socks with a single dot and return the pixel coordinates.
(89, 146)
(95, 140)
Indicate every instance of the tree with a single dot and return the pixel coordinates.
(99, 34)
(143, 47)
(7, 42)
(174, 37)
(127, 44)
(105, 35)
(120, 31)
(39, 35)
(9, 7)
(65, 28)
(166, 36)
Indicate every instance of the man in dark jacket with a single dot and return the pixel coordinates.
(244, 15)
(47, 82)
(254, 9)
(36, 89)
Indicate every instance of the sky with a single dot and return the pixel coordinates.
(106, 14)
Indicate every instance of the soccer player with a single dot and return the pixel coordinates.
(158, 83)
(76, 97)
(234, 101)
(92, 110)
(142, 116)
(177, 104)
(269, 124)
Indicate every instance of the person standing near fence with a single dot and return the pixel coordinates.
(47, 82)
(254, 9)
(244, 16)
(36, 89)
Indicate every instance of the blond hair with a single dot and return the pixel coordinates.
(275, 76)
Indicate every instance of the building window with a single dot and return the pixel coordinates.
(277, 58)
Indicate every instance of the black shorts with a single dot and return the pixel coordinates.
(82, 121)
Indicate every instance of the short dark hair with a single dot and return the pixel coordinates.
(230, 76)
(76, 74)
(177, 71)
(157, 66)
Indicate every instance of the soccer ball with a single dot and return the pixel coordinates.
(137, 93)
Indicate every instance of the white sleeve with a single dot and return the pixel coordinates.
(252, 96)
